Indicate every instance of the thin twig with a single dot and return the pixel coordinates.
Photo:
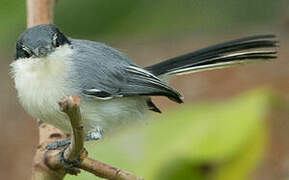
(70, 106)
(95, 167)
(106, 171)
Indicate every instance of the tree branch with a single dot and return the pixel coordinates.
(39, 12)
(106, 171)
(70, 105)
(95, 167)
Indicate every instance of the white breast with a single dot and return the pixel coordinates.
(40, 83)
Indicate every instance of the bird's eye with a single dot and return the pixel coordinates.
(23, 52)
(26, 54)
(27, 51)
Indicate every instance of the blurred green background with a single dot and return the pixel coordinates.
(225, 129)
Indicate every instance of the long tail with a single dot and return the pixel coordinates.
(239, 51)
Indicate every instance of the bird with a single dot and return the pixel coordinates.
(113, 89)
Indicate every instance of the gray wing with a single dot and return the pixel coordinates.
(105, 73)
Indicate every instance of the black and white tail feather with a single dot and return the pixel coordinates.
(148, 81)
(239, 51)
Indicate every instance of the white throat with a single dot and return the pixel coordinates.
(42, 82)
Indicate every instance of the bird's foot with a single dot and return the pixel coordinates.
(69, 166)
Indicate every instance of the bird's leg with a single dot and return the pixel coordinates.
(58, 144)
(91, 136)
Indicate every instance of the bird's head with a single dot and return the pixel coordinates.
(39, 41)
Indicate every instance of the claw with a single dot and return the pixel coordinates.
(69, 166)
